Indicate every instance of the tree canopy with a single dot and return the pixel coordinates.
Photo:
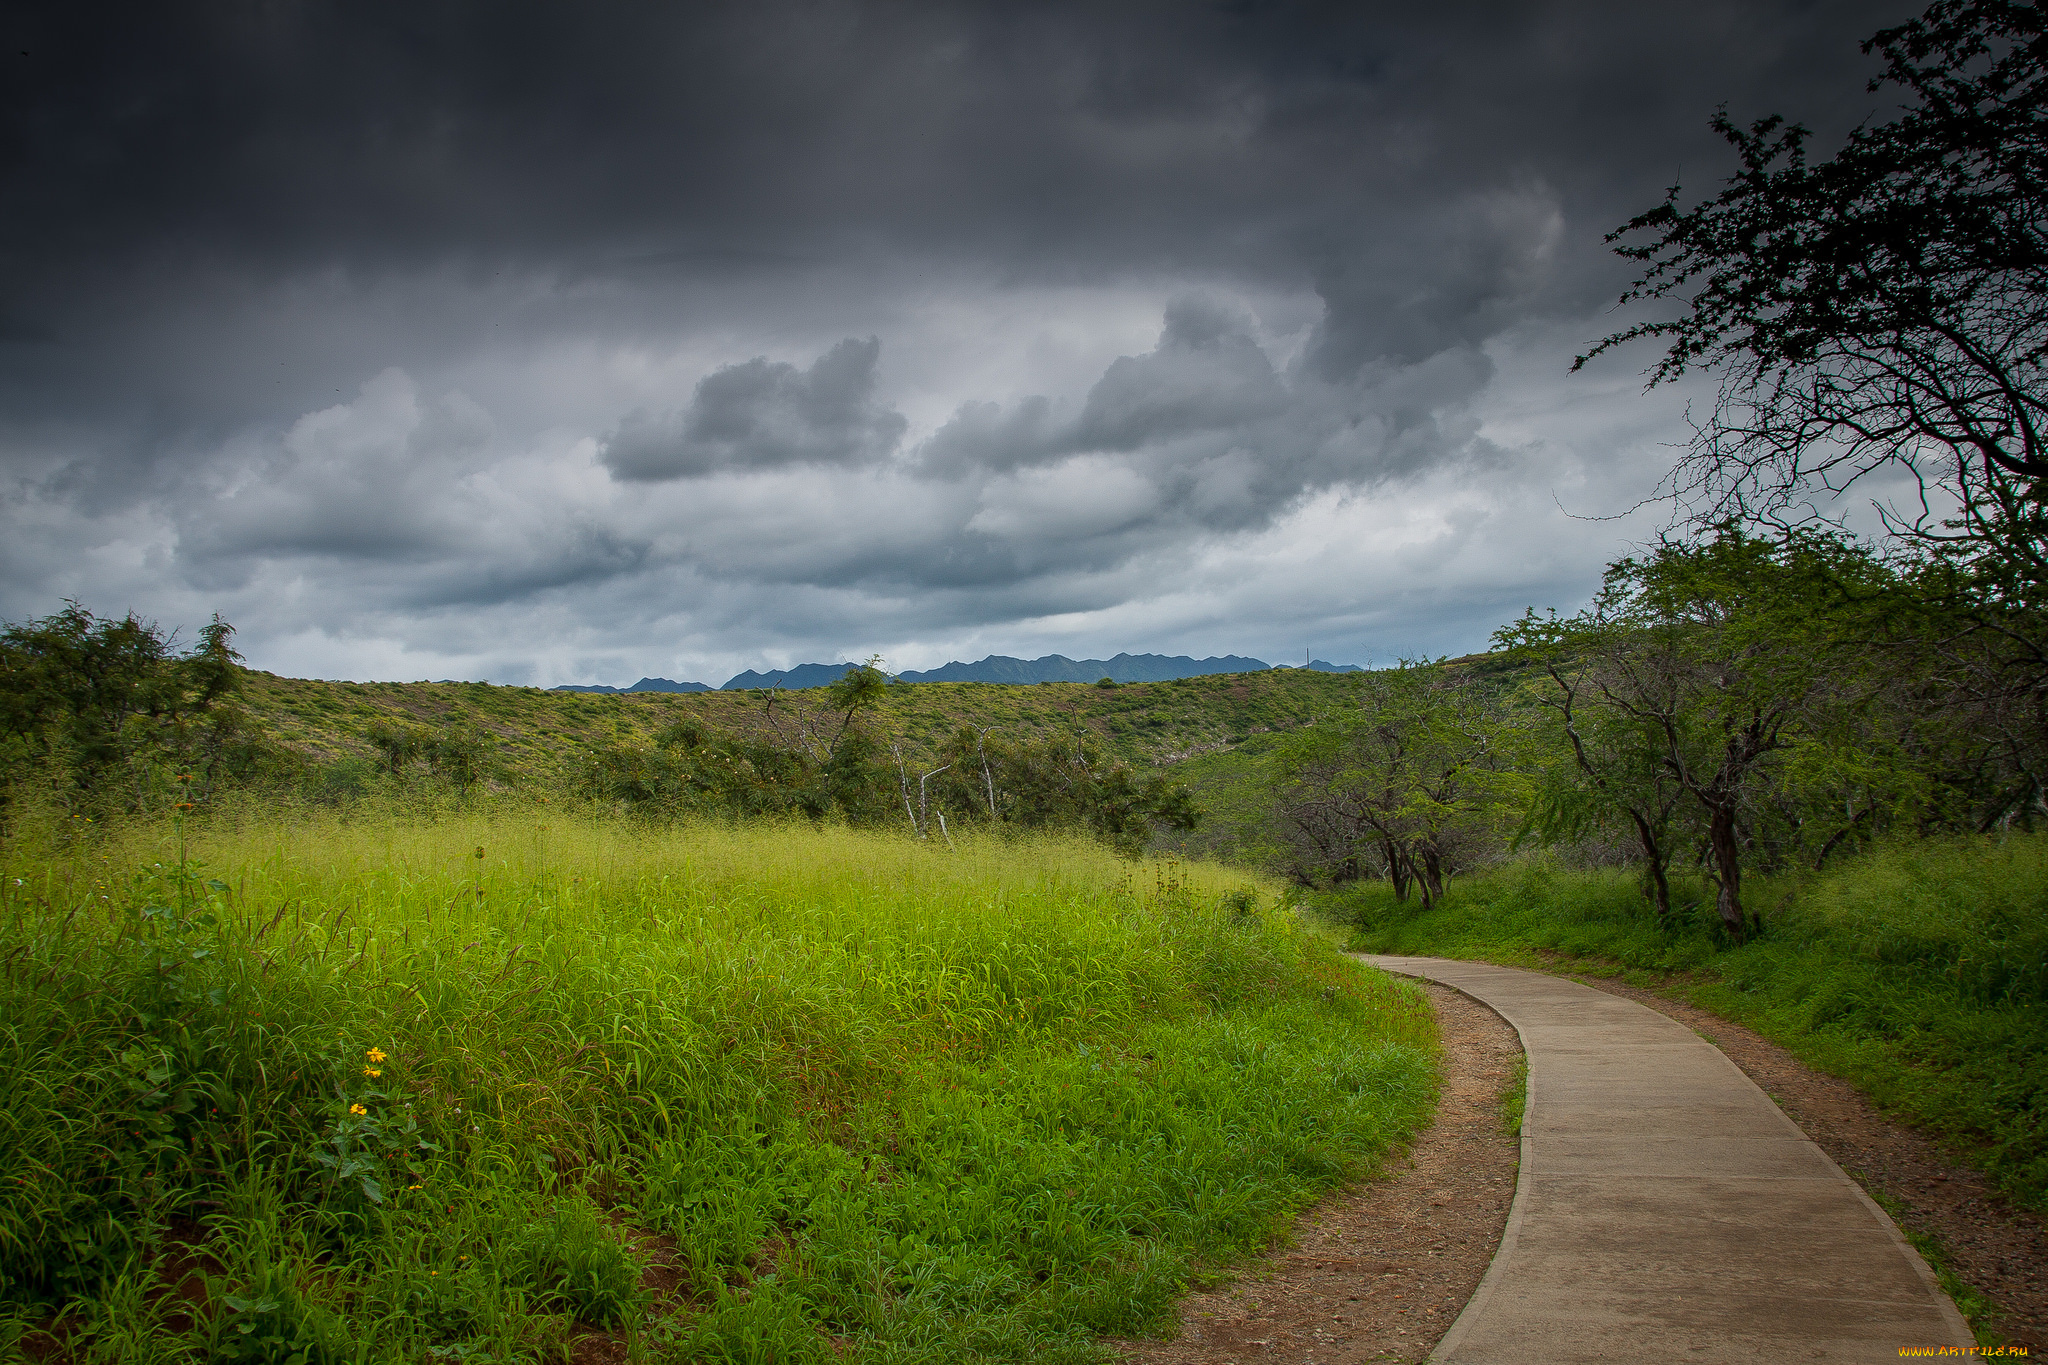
(107, 710)
(1882, 310)
(1732, 695)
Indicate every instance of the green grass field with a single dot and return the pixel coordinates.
(1918, 971)
(307, 1087)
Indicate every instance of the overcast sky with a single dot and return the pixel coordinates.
(571, 343)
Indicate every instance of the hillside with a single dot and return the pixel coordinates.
(538, 734)
(1231, 786)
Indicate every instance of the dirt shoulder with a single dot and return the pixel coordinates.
(1378, 1273)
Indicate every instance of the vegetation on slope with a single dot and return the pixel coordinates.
(101, 717)
(537, 735)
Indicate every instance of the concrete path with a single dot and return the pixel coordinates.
(1667, 1210)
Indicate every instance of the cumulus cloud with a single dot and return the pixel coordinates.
(982, 437)
(1206, 374)
(764, 414)
(1204, 432)
(365, 479)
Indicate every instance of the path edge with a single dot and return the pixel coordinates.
(1496, 1267)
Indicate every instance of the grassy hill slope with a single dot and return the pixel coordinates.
(539, 734)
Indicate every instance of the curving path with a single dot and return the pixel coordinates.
(1667, 1210)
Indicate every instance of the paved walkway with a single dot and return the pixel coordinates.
(1667, 1210)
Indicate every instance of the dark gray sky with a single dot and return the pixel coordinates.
(559, 343)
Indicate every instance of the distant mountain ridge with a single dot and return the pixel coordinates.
(796, 679)
(1001, 668)
(996, 668)
(644, 685)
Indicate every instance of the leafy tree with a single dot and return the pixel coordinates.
(860, 689)
(1883, 309)
(463, 754)
(856, 778)
(1614, 759)
(397, 742)
(1057, 781)
(1408, 785)
(108, 709)
(1744, 674)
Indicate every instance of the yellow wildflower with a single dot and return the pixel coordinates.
(372, 1072)
(357, 1109)
(375, 1054)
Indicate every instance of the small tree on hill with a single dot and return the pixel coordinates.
(108, 709)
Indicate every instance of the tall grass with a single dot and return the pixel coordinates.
(1919, 971)
(305, 1087)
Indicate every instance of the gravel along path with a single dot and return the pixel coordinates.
(1378, 1273)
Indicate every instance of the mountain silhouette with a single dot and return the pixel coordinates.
(996, 668)
(644, 685)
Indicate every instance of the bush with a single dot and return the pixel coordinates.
(572, 1257)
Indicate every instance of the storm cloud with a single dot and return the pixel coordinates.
(765, 415)
(579, 345)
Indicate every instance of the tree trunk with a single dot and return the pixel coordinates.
(1727, 855)
(1654, 858)
(1841, 834)
(987, 778)
(903, 785)
(923, 819)
(1397, 869)
(1432, 874)
(1419, 872)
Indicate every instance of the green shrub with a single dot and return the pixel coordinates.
(571, 1256)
